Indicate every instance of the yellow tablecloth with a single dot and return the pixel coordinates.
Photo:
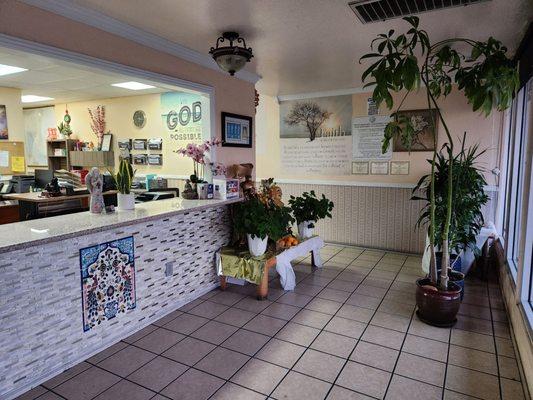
(241, 264)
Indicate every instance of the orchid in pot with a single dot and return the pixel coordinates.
(199, 154)
(401, 63)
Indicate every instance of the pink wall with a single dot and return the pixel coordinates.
(231, 94)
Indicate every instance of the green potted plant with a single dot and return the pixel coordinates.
(487, 78)
(262, 216)
(468, 199)
(123, 180)
(308, 209)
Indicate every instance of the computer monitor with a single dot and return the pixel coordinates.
(43, 177)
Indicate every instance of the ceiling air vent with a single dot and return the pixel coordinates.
(380, 10)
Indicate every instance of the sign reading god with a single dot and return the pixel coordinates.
(182, 116)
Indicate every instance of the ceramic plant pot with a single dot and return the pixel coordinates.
(126, 201)
(437, 307)
(256, 245)
(305, 229)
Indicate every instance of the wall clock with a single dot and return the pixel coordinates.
(139, 118)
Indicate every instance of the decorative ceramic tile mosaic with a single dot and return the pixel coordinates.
(107, 281)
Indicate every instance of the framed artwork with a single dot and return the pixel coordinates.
(379, 168)
(236, 130)
(399, 167)
(107, 281)
(424, 131)
(3, 123)
(106, 142)
(359, 168)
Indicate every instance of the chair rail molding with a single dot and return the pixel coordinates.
(96, 19)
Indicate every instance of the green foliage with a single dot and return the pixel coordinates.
(468, 198)
(309, 207)
(259, 219)
(124, 177)
(64, 129)
(401, 62)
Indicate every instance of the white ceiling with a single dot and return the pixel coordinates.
(306, 45)
(65, 82)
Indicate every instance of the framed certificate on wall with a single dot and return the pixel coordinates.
(379, 168)
(236, 130)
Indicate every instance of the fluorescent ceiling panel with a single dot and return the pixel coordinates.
(30, 98)
(133, 85)
(9, 69)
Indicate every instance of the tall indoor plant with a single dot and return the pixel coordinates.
(487, 78)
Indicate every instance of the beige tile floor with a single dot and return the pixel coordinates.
(348, 331)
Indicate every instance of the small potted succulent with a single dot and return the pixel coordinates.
(308, 209)
(123, 179)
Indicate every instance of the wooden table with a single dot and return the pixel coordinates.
(31, 204)
(262, 287)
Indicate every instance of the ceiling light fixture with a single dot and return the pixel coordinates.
(31, 98)
(231, 58)
(8, 69)
(131, 85)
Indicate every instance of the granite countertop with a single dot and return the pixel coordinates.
(25, 234)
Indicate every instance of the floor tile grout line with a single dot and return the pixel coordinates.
(446, 364)
(322, 330)
(494, 339)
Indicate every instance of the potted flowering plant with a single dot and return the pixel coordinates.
(198, 153)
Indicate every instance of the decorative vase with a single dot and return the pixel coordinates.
(256, 245)
(126, 201)
(305, 229)
(437, 307)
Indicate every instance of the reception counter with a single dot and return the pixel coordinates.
(72, 285)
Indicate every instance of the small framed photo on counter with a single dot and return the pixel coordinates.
(236, 130)
(106, 142)
(359, 168)
(379, 168)
(399, 167)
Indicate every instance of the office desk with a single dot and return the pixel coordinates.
(34, 205)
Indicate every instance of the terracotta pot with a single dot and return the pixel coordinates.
(437, 307)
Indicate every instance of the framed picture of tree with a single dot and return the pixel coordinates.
(425, 130)
(236, 130)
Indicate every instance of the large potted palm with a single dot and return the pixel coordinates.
(409, 62)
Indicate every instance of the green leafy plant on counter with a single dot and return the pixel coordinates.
(308, 207)
(124, 176)
(468, 198)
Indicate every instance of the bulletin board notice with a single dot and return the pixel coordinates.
(367, 134)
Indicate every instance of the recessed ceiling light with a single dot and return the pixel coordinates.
(8, 69)
(31, 98)
(133, 85)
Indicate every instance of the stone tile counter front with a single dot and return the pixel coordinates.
(73, 285)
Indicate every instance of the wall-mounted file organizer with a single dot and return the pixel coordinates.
(124, 144)
(139, 144)
(140, 159)
(155, 159)
(155, 144)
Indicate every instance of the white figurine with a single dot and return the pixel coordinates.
(95, 183)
